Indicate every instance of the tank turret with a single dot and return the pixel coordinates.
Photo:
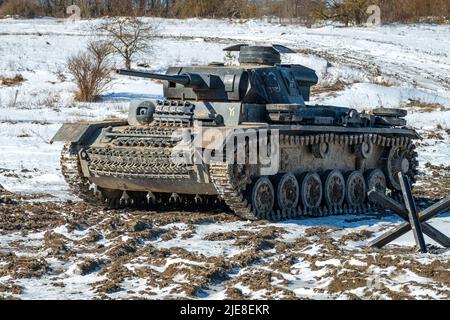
(259, 79)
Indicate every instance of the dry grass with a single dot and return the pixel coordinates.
(384, 82)
(425, 106)
(51, 101)
(433, 135)
(12, 81)
(328, 88)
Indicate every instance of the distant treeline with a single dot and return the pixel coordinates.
(296, 11)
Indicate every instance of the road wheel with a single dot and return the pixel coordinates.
(262, 197)
(356, 189)
(334, 188)
(311, 190)
(288, 192)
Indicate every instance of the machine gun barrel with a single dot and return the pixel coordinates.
(191, 80)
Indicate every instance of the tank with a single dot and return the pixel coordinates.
(243, 136)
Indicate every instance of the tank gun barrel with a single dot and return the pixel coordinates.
(190, 80)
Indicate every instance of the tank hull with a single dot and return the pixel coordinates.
(139, 160)
(188, 187)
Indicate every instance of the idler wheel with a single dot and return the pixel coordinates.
(356, 189)
(311, 193)
(396, 162)
(288, 192)
(334, 188)
(375, 180)
(263, 197)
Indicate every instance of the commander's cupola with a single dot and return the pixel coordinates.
(259, 55)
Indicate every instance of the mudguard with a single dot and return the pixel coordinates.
(77, 132)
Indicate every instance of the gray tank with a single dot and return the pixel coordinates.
(243, 136)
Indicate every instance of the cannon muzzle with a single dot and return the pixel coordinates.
(190, 80)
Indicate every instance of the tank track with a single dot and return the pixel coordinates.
(222, 176)
(71, 171)
(241, 207)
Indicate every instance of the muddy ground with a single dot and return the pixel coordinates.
(75, 251)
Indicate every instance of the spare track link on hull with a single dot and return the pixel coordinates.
(140, 153)
(81, 187)
(152, 163)
(223, 179)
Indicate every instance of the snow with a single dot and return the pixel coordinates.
(199, 245)
(441, 223)
(358, 263)
(75, 287)
(332, 262)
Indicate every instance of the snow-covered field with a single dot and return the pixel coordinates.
(390, 66)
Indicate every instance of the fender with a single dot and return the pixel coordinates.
(78, 132)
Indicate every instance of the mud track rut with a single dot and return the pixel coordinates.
(139, 254)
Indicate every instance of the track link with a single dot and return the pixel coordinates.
(222, 178)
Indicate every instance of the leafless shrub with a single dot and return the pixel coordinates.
(345, 11)
(405, 11)
(23, 8)
(92, 71)
(128, 36)
(11, 81)
(284, 11)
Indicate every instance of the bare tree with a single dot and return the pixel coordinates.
(128, 36)
(92, 71)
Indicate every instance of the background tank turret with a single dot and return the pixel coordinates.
(322, 159)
